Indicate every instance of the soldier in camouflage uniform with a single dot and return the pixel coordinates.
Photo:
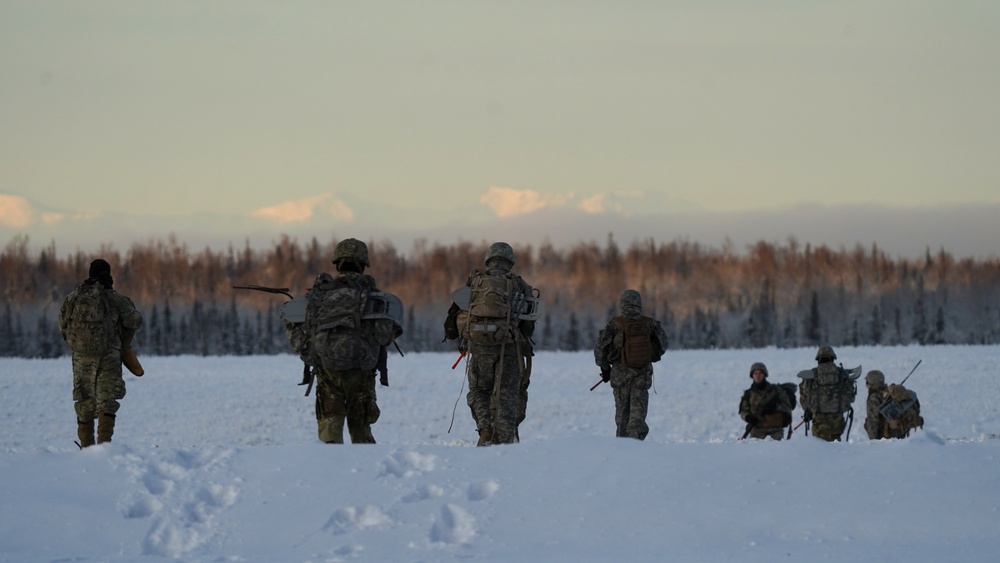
(765, 407)
(498, 373)
(344, 359)
(629, 384)
(876, 424)
(826, 394)
(97, 370)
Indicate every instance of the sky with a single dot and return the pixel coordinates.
(234, 121)
(216, 459)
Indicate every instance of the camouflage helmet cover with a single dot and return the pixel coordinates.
(500, 250)
(758, 366)
(875, 378)
(351, 249)
(826, 352)
(629, 302)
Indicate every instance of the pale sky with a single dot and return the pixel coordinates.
(131, 119)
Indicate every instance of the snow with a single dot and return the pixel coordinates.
(215, 459)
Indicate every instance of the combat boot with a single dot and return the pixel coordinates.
(85, 432)
(485, 437)
(105, 427)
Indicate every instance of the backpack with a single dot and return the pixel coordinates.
(789, 389)
(91, 327)
(634, 340)
(337, 337)
(901, 411)
(489, 319)
(831, 389)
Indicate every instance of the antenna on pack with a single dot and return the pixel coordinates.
(911, 372)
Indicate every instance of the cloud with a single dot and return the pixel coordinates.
(15, 211)
(302, 210)
(509, 202)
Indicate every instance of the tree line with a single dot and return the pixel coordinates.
(767, 294)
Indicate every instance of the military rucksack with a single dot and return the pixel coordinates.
(789, 389)
(490, 318)
(337, 337)
(634, 341)
(901, 411)
(91, 326)
(831, 389)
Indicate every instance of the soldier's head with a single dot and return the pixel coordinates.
(630, 303)
(500, 255)
(758, 372)
(98, 266)
(875, 379)
(825, 355)
(100, 271)
(351, 255)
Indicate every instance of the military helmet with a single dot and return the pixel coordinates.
(758, 366)
(826, 352)
(875, 378)
(353, 250)
(629, 302)
(500, 250)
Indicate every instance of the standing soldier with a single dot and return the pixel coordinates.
(765, 407)
(98, 324)
(827, 394)
(496, 327)
(345, 344)
(625, 352)
(891, 411)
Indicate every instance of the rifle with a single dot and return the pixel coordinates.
(747, 431)
(281, 290)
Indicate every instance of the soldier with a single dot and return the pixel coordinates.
(764, 407)
(344, 349)
(827, 393)
(98, 324)
(500, 345)
(886, 416)
(625, 352)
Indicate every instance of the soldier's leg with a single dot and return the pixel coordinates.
(481, 374)
(84, 394)
(110, 388)
(621, 394)
(362, 410)
(505, 423)
(330, 412)
(638, 405)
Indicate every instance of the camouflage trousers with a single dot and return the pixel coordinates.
(494, 394)
(631, 405)
(827, 426)
(350, 395)
(97, 384)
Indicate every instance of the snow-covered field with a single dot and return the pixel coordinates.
(215, 459)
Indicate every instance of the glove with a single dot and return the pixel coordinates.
(807, 416)
(751, 420)
(606, 374)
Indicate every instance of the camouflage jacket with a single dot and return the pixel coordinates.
(769, 403)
